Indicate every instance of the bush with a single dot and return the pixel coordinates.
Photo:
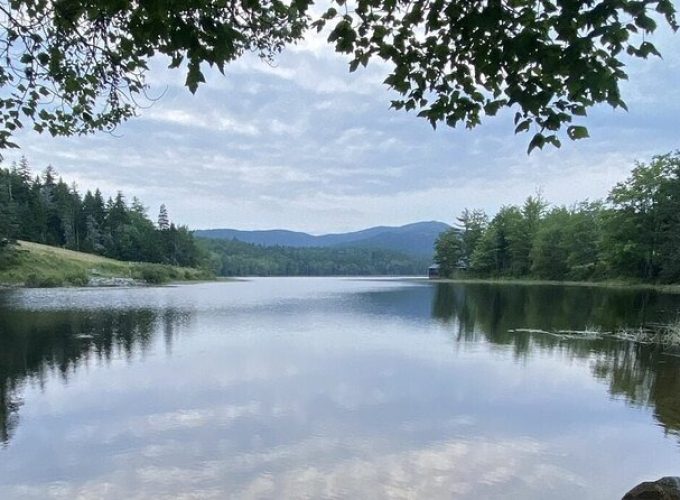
(154, 275)
(35, 281)
(77, 278)
(8, 256)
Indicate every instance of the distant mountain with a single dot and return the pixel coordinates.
(270, 237)
(413, 239)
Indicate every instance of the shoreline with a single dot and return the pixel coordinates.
(33, 265)
(125, 282)
(112, 282)
(673, 289)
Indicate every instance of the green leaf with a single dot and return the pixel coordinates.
(194, 77)
(646, 23)
(576, 132)
(537, 142)
(329, 14)
(523, 126)
(43, 58)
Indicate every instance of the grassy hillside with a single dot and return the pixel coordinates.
(32, 264)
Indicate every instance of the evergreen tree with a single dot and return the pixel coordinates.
(38, 210)
(93, 219)
(23, 170)
(8, 211)
(53, 233)
(26, 204)
(45, 209)
(163, 219)
(99, 208)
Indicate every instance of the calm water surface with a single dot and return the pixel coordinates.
(332, 388)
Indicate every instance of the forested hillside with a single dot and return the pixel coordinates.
(632, 235)
(415, 239)
(45, 209)
(235, 258)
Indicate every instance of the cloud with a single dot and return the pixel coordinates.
(306, 145)
(517, 467)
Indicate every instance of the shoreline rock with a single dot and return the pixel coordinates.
(666, 488)
(101, 282)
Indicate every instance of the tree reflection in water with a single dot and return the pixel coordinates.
(35, 345)
(644, 374)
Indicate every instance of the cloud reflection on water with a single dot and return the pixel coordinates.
(326, 388)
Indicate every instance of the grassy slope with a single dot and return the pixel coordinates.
(33, 264)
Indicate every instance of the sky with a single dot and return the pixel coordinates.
(303, 144)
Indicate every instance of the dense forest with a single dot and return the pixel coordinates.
(235, 258)
(632, 235)
(44, 209)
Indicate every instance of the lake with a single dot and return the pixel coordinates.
(333, 388)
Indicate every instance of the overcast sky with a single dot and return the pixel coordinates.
(306, 145)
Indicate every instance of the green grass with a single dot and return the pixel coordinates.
(35, 265)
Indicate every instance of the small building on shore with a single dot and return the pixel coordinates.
(433, 272)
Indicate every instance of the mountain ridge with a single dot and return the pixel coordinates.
(414, 239)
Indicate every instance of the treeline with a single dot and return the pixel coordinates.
(44, 209)
(632, 235)
(236, 258)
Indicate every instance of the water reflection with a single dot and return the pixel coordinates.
(331, 388)
(644, 374)
(37, 345)
(498, 308)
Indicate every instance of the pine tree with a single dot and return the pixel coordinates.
(24, 170)
(117, 213)
(8, 222)
(137, 207)
(163, 219)
(52, 195)
(47, 210)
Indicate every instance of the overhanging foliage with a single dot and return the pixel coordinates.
(74, 67)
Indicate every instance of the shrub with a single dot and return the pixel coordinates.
(35, 281)
(154, 275)
(8, 256)
(77, 278)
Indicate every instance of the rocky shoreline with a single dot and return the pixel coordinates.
(666, 488)
(101, 282)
